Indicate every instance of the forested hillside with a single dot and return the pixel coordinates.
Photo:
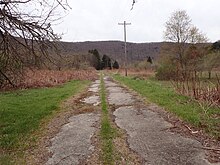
(114, 49)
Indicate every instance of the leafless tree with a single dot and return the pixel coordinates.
(25, 31)
(179, 29)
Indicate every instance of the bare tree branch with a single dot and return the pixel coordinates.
(134, 1)
(24, 34)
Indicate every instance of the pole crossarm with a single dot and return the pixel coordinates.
(124, 23)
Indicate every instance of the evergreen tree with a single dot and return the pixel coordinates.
(115, 65)
(149, 59)
(106, 62)
(216, 46)
(97, 59)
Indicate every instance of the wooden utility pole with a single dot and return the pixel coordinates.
(126, 72)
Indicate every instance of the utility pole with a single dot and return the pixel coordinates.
(126, 72)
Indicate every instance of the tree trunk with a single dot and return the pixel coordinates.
(210, 74)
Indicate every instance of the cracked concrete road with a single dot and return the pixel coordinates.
(148, 133)
(73, 143)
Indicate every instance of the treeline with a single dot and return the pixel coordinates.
(191, 77)
(197, 58)
(104, 62)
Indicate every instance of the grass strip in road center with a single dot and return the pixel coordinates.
(107, 133)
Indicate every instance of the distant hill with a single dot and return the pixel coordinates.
(114, 49)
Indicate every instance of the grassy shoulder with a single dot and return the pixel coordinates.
(21, 113)
(107, 132)
(182, 106)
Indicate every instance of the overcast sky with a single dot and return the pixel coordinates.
(97, 20)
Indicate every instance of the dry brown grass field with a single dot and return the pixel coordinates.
(49, 78)
(138, 73)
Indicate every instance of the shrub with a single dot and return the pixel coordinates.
(166, 71)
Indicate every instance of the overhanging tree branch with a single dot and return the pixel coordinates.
(24, 34)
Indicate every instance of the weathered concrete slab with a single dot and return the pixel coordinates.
(148, 135)
(117, 95)
(73, 142)
(94, 100)
(110, 83)
(115, 89)
(97, 82)
(94, 87)
(120, 98)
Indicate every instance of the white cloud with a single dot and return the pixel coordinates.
(98, 19)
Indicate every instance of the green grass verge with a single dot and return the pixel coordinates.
(186, 109)
(21, 113)
(107, 133)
